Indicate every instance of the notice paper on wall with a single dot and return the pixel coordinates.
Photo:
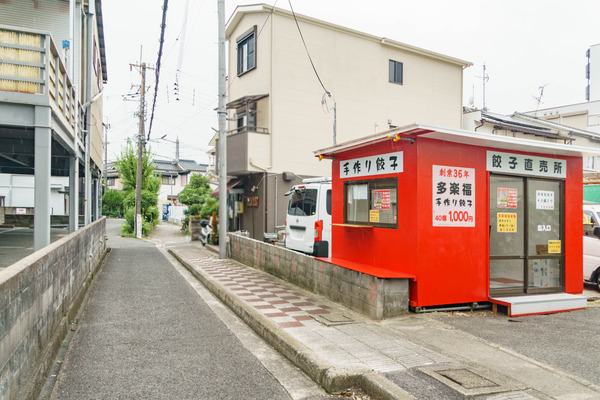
(360, 192)
(507, 198)
(544, 200)
(554, 247)
(373, 215)
(507, 222)
(453, 196)
(381, 199)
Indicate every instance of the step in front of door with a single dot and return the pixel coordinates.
(519, 306)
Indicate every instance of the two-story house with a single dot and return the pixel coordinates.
(52, 71)
(174, 176)
(279, 113)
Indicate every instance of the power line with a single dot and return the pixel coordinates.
(160, 49)
(307, 52)
(327, 92)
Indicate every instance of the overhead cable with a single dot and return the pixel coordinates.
(157, 70)
(307, 52)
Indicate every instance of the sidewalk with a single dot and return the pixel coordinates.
(402, 358)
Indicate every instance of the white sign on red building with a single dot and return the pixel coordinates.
(453, 196)
(389, 163)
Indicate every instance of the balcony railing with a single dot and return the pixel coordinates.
(30, 63)
(245, 129)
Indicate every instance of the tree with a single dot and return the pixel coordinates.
(127, 167)
(112, 203)
(195, 192)
(197, 196)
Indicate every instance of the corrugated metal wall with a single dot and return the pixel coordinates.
(44, 15)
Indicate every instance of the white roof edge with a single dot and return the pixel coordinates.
(251, 8)
(466, 137)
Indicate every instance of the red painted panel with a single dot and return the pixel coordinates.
(393, 249)
(573, 246)
(451, 264)
(453, 261)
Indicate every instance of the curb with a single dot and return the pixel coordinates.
(330, 377)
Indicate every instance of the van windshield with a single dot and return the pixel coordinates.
(303, 202)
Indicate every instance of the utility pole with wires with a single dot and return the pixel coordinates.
(222, 151)
(137, 226)
(106, 127)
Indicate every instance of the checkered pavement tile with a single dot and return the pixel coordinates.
(286, 307)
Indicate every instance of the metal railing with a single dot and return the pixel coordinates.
(246, 129)
(30, 63)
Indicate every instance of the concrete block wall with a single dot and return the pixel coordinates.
(39, 296)
(375, 297)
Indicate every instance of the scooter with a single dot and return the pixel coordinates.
(206, 229)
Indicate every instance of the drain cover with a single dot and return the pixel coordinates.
(466, 378)
(333, 319)
(472, 381)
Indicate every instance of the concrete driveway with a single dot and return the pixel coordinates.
(567, 341)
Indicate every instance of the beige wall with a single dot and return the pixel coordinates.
(97, 154)
(354, 68)
(578, 120)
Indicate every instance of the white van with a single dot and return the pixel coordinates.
(591, 243)
(308, 219)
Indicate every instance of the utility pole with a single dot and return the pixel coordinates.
(140, 156)
(106, 127)
(137, 225)
(222, 114)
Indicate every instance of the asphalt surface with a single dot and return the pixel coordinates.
(147, 334)
(163, 340)
(566, 340)
(17, 243)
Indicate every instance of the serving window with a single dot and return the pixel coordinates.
(371, 202)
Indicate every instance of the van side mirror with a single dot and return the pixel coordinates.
(597, 232)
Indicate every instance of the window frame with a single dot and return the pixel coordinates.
(372, 184)
(304, 192)
(171, 182)
(242, 42)
(393, 72)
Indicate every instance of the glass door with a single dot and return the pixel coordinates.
(526, 248)
(544, 236)
(507, 234)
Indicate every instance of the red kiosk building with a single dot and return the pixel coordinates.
(466, 217)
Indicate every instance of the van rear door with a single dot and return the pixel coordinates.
(301, 218)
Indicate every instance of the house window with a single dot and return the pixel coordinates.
(246, 117)
(168, 180)
(371, 202)
(110, 181)
(246, 52)
(396, 72)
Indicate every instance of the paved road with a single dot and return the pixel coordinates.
(567, 340)
(17, 243)
(147, 333)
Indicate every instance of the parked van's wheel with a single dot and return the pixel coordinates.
(598, 281)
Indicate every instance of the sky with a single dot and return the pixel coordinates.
(525, 45)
